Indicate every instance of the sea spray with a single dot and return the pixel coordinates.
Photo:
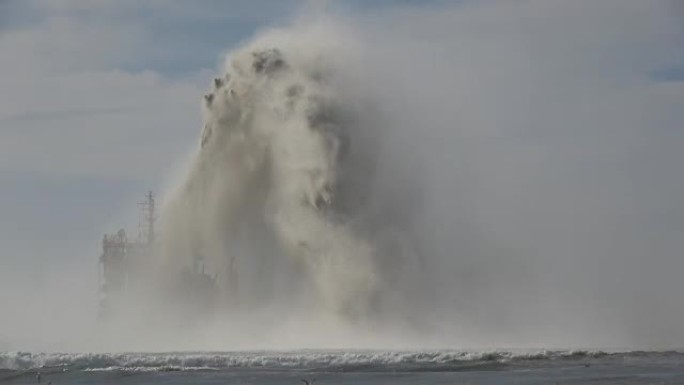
(275, 201)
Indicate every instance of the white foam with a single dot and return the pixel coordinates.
(275, 360)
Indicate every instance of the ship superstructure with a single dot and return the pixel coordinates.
(123, 262)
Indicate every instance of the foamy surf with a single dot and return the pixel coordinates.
(342, 360)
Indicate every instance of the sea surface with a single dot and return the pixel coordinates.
(324, 367)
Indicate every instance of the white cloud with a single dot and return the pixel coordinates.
(70, 104)
(66, 109)
(101, 123)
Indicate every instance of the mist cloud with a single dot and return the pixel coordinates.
(530, 156)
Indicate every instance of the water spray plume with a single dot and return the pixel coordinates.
(278, 199)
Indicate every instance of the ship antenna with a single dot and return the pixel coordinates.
(148, 216)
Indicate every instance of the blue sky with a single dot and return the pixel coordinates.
(100, 101)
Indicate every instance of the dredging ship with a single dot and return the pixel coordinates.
(123, 263)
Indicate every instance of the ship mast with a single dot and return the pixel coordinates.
(148, 218)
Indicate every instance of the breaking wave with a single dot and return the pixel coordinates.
(439, 360)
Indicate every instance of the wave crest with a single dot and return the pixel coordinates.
(300, 360)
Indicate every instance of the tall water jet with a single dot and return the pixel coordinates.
(276, 200)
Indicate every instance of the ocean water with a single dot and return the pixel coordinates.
(345, 367)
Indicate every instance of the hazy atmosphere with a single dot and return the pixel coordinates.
(360, 174)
